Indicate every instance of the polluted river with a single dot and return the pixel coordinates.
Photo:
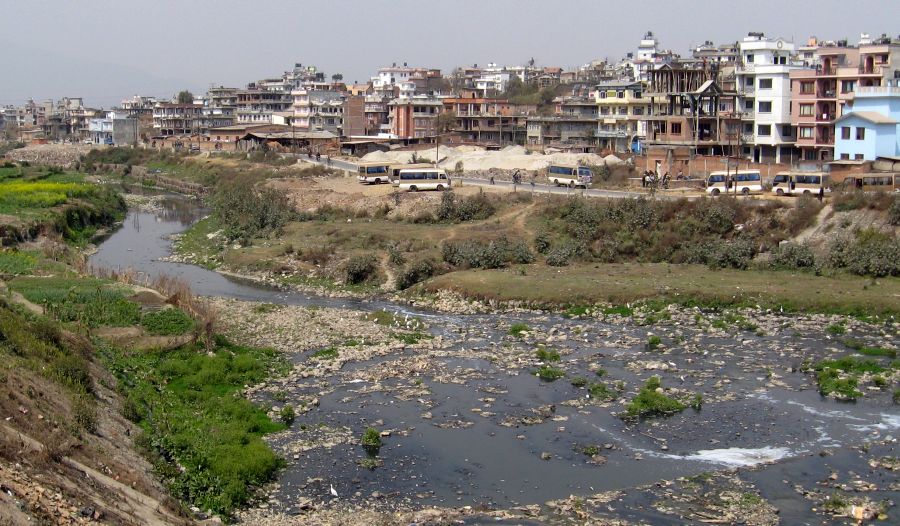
(516, 417)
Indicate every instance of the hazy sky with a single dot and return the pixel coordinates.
(106, 50)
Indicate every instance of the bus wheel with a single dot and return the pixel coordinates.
(572, 184)
(806, 192)
(745, 191)
(715, 191)
(413, 188)
(377, 181)
(779, 191)
(440, 188)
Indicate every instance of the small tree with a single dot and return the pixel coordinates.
(337, 77)
(185, 97)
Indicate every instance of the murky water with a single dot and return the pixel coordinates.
(501, 437)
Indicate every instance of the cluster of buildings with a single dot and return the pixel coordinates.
(763, 99)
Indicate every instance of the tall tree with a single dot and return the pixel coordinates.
(185, 97)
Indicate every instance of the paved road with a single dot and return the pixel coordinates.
(540, 188)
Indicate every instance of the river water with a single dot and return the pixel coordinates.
(523, 444)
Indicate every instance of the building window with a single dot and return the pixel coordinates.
(805, 132)
(860, 134)
(637, 111)
(847, 86)
(749, 59)
(806, 110)
(764, 130)
(748, 105)
(748, 127)
(845, 133)
(807, 88)
(765, 83)
(748, 81)
(858, 157)
(676, 128)
(845, 156)
(787, 130)
(765, 106)
(601, 94)
(620, 94)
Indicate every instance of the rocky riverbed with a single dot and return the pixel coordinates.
(469, 433)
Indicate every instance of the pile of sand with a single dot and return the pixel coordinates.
(474, 158)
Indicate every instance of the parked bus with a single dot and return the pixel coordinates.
(395, 170)
(373, 173)
(788, 183)
(415, 179)
(570, 175)
(743, 182)
(873, 183)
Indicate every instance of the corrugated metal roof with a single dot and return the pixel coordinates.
(872, 116)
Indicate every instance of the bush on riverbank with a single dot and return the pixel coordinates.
(724, 232)
(485, 254)
(867, 253)
(245, 212)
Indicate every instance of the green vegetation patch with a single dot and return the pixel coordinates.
(91, 302)
(168, 322)
(204, 438)
(549, 373)
(516, 329)
(547, 355)
(325, 354)
(649, 402)
(16, 263)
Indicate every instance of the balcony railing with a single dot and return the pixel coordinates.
(822, 70)
(826, 94)
(881, 90)
(871, 70)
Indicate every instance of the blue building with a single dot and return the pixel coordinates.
(872, 128)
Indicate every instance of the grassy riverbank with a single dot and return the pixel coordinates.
(682, 284)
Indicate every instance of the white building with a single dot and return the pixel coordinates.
(764, 98)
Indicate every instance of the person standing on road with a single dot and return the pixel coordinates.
(492, 178)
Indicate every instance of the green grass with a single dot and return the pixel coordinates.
(196, 242)
(89, 301)
(687, 285)
(549, 373)
(836, 329)
(579, 381)
(325, 354)
(168, 322)
(620, 310)
(204, 438)
(573, 312)
(516, 329)
(13, 262)
(653, 342)
(861, 348)
(410, 338)
(730, 320)
(547, 355)
(841, 377)
(649, 402)
(599, 391)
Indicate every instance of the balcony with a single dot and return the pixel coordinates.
(871, 70)
(744, 89)
(822, 71)
(826, 94)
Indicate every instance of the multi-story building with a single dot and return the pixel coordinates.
(115, 127)
(138, 105)
(256, 104)
(489, 121)
(413, 117)
(318, 110)
(820, 95)
(621, 109)
(407, 80)
(690, 109)
(764, 99)
(177, 119)
(871, 128)
(377, 114)
(649, 57)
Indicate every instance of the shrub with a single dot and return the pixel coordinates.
(579, 381)
(415, 273)
(894, 212)
(516, 329)
(549, 373)
(602, 393)
(542, 242)
(167, 322)
(650, 402)
(793, 256)
(359, 269)
(560, 256)
(487, 255)
(84, 413)
(395, 256)
(472, 208)
(287, 415)
(653, 342)
(246, 212)
(547, 355)
(870, 253)
(732, 254)
(371, 439)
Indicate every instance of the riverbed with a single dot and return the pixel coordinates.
(469, 428)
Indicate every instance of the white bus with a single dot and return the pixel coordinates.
(373, 173)
(395, 170)
(570, 175)
(787, 183)
(742, 182)
(415, 179)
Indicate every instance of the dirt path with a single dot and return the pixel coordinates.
(811, 231)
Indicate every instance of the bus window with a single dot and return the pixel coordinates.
(376, 169)
(781, 179)
(716, 179)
